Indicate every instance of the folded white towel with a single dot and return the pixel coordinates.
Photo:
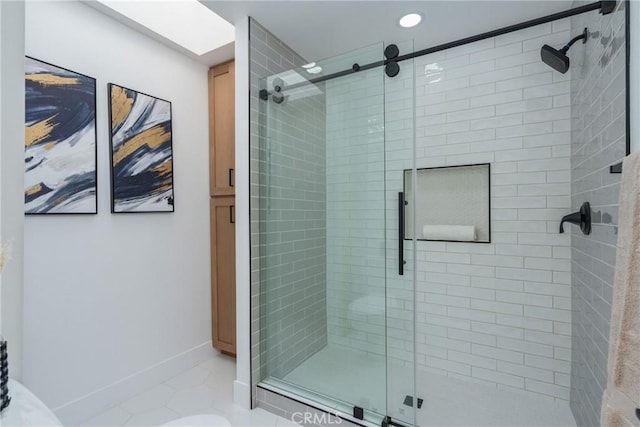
(461, 233)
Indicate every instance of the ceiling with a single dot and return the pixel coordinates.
(322, 29)
(171, 23)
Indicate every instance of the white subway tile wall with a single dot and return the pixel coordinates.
(483, 310)
(495, 302)
(355, 212)
(598, 137)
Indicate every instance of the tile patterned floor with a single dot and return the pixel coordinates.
(341, 373)
(208, 389)
(205, 389)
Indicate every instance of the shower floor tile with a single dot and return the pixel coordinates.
(344, 375)
(455, 402)
(347, 375)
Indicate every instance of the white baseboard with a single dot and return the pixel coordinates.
(242, 394)
(79, 410)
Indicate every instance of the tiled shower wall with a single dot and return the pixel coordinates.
(355, 212)
(500, 312)
(495, 313)
(293, 234)
(598, 141)
(289, 321)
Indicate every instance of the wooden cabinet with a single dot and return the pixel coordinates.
(223, 273)
(222, 206)
(222, 129)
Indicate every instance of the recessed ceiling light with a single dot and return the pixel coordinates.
(309, 65)
(410, 20)
(314, 70)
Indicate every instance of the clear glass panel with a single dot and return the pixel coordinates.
(322, 234)
(400, 300)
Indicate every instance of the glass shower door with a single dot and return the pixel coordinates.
(322, 235)
(402, 399)
(355, 230)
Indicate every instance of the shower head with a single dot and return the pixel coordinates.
(558, 59)
(554, 58)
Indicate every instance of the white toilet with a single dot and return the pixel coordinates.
(26, 410)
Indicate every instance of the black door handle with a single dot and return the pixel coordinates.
(232, 216)
(401, 233)
(231, 178)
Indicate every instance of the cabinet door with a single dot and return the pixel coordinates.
(223, 273)
(222, 129)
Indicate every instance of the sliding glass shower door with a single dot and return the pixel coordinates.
(327, 251)
(402, 401)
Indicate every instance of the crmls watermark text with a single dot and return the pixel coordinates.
(321, 418)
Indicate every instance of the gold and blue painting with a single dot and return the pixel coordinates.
(141, 152)
(60, 140)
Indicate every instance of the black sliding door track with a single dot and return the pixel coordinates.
(605, 7)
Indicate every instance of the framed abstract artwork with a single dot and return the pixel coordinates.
(60, 140)
(141, 152)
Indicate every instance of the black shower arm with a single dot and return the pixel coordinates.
(582, 36)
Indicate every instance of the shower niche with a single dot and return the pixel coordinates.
(452, 203)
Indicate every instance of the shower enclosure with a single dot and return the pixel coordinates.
(409, 252)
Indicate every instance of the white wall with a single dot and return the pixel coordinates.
(11, 178)
(114, 303)
(242, 385)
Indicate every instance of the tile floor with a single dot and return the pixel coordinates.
(208, 388)
(343, 374)
(205, 389)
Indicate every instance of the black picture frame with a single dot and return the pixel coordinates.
(141, 152)
(55, 99)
